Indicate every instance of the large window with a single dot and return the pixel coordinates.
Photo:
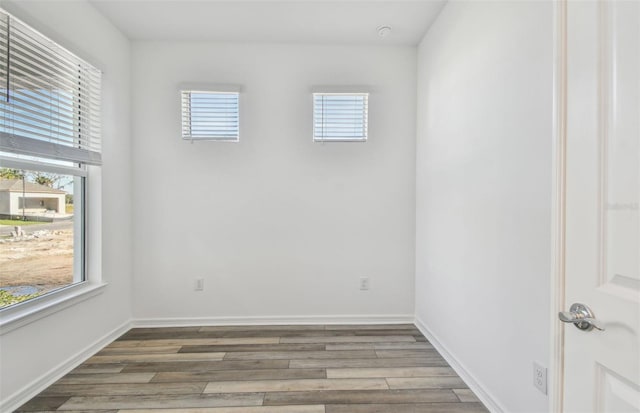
(49, 140)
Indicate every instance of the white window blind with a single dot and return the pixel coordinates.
(340, 117)
(49, 98)
(210, 115)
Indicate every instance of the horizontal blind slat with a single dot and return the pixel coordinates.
(38, 42)
(26, 52)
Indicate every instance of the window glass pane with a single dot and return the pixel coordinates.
(340, 116)
(210, 115)
(41, 233)
(42, 114)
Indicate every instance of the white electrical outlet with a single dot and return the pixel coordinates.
(364, 283)
(540, 377)
(199, 284)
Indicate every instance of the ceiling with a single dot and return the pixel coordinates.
(266, 21)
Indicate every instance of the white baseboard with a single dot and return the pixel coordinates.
(475, 386)
(274, 320)
(29, 391)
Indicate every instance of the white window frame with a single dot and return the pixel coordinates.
(318, 132)
(87, 230)
(186, 125)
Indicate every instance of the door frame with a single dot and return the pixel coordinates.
(558, 206)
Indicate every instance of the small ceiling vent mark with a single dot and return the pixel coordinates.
(384, 31)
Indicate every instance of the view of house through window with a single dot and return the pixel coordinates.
(40, 233)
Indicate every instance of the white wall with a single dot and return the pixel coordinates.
(278, 226)
(31, 354)
(484, 192)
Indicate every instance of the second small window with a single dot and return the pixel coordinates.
(208, 115)
(340, 117)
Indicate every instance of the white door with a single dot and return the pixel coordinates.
(602, 239)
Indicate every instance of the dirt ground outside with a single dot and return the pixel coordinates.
(44, 262)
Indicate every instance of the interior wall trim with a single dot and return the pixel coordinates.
(478, 389)
(558, 208)
(274, 320)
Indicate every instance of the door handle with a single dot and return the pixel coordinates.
(582, 317)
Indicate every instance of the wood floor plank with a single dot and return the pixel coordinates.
(258, 409)
(360, 396)
(466, 395)
(406, 353)
(253, 347)
(390, 372)
(443, 382)
(102, 378)
(284, 333)
(40, 403)
(137, 350)
(139, 357)
(107, 368)
(236, 375)
(205, 365)
(163, 401)
(195, 341)
(380, 346)
(82, 411)
(299, 327)
(369, 363)
(295, 385)
(288, 355)
(123, 389)
(407, 408)
(348, 339)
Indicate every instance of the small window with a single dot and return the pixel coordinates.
(210, 115)
(340, 117)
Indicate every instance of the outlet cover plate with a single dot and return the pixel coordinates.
(364, 283)
(540, 377)
(199, 284)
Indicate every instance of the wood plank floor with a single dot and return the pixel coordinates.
(263, 369)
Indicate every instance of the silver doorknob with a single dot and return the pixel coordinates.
(582, 317)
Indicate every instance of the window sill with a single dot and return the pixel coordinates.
(21, 314)
(339, 140)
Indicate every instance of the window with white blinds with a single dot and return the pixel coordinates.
(49, 134)
(340, 117)
(50, 98)
(208, 115)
